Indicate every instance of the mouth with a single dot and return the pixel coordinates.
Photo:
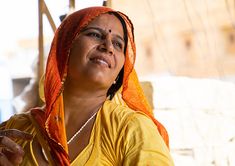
(101, 60)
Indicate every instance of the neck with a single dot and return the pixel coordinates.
(80, 103)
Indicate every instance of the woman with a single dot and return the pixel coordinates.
(95, 112)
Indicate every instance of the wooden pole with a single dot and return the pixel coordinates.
(107, 3)
(42, 9)
(71, 5)
(48, 14)
(40, 40)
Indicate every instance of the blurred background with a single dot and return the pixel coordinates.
(185, 62)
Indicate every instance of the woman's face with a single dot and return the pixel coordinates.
(97, 54)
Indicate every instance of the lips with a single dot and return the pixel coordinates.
(103, 60)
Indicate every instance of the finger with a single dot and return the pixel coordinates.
(4, 161)
(14, 158)
(10, 144)
(14, 133)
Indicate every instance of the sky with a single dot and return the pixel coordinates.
(19, 18)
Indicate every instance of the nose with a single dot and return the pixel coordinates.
(106, 45)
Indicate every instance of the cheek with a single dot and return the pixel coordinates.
(74, 60)
(121, 61)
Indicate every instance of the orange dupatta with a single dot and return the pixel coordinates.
(51, 119)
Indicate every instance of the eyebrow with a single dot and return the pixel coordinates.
(100, 29)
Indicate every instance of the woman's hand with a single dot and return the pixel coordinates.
(10, 152)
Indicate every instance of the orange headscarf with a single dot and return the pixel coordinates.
(51, 119)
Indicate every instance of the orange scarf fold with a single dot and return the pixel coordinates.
(51, 120)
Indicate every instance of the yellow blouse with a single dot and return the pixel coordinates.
(120, 136)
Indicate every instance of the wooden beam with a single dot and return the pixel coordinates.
(107, 3)
(71, 5)
(48, 14)
(42, 9)
(40, 40)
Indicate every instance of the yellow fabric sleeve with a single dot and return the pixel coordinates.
(143, 144)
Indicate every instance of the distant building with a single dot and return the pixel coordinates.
(183, 38)
(6, 92)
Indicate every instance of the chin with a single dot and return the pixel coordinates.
(102, 84)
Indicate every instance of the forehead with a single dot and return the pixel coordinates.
(107, 22)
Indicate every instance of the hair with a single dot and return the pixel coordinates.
(114, 87)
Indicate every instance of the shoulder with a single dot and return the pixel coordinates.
(128, 123)
(115, 114)
(123, 114)
(137, 136)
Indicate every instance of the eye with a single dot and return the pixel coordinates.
(95, 35)
(117, 45)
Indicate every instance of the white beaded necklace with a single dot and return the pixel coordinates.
(72, 138)
(79, 131)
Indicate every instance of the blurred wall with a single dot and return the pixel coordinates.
(181, 37)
